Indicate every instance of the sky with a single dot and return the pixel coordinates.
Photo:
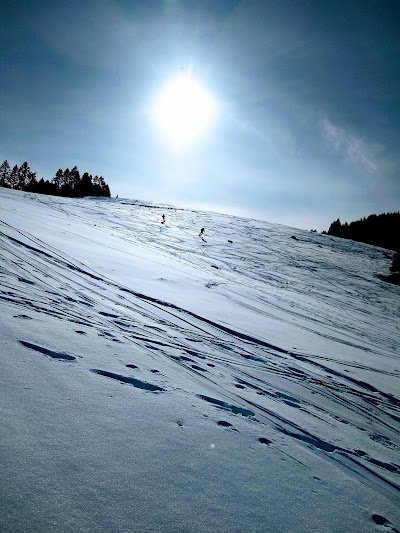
(306, 93)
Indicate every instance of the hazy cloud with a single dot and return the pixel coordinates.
(351, 147)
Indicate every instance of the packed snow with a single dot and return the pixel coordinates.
(155, 381)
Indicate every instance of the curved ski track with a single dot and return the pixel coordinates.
(284, 392)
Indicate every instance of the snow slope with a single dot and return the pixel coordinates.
(151, 381)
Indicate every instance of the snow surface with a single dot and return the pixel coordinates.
(151, 381)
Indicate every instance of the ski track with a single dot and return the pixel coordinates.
(289, 395)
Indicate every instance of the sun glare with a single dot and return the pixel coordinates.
(183, 111)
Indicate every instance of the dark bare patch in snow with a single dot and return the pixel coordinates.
(310, 439)
(263, 440)
(227, 406)
(131, 381)
(225, 424)
(54, 355)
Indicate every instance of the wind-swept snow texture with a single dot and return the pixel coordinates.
(154, 382)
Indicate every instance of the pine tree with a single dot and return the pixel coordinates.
(86, 185)
(5, 172)
(66, 185)
(75, 181)
(23, 174)
(58, 179)
(31, 182)
(13, 179)
(335, 228)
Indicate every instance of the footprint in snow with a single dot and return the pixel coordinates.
(382, 521)
(225, 424)
(131, 381)
(219, 404)
(28, 281)
(383, 440)
(50, 353)
(195, 367)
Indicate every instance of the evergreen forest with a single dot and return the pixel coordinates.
(66, 182)
(379, 230)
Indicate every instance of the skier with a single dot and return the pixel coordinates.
(201, 235)
(163, 219)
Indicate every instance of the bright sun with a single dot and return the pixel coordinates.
(183, 111)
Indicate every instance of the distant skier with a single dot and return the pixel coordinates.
(163, 219)
(201, 235)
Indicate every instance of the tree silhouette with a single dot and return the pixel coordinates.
(31, 182)
(13, 179)
(380, 230)
(23, 176)
(64, 183)
(74, 181)
(58, 179)
(5, 172)
(86, 185)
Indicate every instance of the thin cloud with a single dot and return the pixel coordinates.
(351, 147)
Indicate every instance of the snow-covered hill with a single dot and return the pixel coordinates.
(151, 381)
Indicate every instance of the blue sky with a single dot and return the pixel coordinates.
(308, 110)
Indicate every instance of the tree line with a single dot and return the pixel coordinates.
(379, 230)
(65, 182)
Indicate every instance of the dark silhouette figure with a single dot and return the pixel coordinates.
(201, 235)
(163, 219)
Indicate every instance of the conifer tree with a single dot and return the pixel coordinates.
(86, 185)
(23, 176)
(66, 185)
(13, 179)
(5, 172)
(31, 182)
(74, 181)
(58, 179)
